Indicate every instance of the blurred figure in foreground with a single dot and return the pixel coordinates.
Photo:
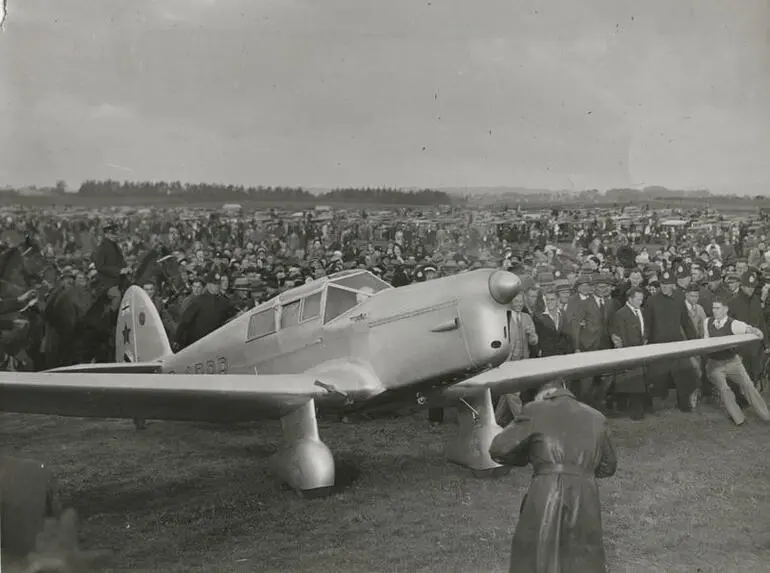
(569, 446)
(57, 550)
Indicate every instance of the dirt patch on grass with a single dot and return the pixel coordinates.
(690, 495)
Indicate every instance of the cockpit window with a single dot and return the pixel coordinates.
(360, 281)
(261, 324)
(311, 308)
(290, 314)
(338, 301)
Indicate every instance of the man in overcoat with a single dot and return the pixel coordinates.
(569, 446)
(746, 306)
(109, 261)
(668, 321)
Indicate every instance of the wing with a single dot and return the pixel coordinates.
(522, 374)
(187, 397)
(114, 367)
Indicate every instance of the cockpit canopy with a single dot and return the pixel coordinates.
(328, 297)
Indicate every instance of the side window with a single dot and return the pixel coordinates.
(312, 306)
(290, 314)
(338, 301)
(261, 324)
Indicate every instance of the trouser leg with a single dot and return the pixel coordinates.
(507, 408)
(601, 385)
(717, 372)
(736, 371)
(707, 388)
(636, 406)
(686, 382)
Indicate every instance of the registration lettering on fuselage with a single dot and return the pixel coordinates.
(218, 365)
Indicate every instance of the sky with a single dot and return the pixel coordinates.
(556, 94)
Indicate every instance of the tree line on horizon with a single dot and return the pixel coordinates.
(378, 195)
(212, 191)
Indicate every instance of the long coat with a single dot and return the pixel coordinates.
(666, 320)
(749, 310)
(560, 523)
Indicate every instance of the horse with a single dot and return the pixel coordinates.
(24, 268)
(165, 272)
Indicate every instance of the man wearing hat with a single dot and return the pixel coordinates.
(109, 261)
(683, 278)
(746, 306)
(242, 291)
(205, 313)
(668, 321)
(714, 288)
(563, 291)
(586, 327)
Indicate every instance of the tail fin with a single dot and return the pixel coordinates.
(139, 333)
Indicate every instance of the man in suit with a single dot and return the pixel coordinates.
(697, 315)
(668, 321)
(205, 313)
(523, 336)
(549, 326)
(587, 329)
(695, 311)
(628, 329)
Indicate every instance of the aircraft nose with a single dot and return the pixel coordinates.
(503, 286)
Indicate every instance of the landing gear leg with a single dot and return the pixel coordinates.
(476, 430)
(303, 461)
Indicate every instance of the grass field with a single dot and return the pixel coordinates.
(691, 494)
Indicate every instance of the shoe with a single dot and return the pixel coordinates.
(693, 399)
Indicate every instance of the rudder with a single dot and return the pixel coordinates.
(139, 334)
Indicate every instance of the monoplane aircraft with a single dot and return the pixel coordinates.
(341, 343)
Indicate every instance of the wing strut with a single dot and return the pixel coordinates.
(476, 428)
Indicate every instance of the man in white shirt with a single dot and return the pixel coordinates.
(727, 365)
(523, 335)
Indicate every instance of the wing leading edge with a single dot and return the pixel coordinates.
(184, 397)
(522, 374)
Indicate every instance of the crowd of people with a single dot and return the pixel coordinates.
(594, 278)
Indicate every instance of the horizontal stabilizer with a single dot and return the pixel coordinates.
(518, 375)
(186, 397)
